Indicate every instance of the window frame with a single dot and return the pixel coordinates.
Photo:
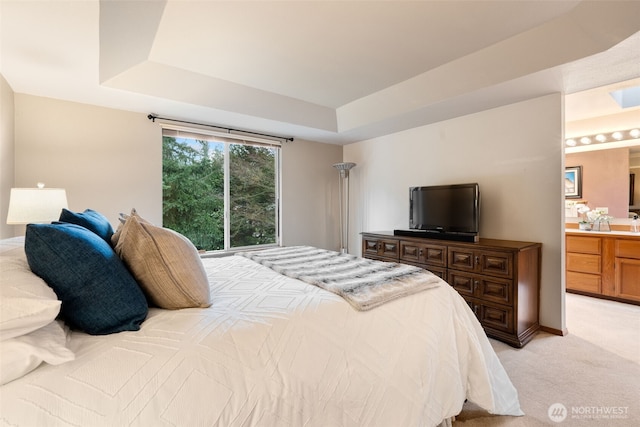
(201, 133)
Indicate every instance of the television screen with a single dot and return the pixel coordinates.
(445, 208)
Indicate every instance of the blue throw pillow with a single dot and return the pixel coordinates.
(91, 220)
(99, 296)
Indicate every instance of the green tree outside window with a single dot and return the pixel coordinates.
(193, 184)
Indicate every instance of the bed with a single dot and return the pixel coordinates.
(269, 350)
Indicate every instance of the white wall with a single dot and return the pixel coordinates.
(106, 159)
(111, 160)
(6, 155)
(310, 194)
(514, 152)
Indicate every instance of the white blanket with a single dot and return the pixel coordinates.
(270, 351)
(363, 283)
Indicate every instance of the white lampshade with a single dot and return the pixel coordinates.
(32, 205)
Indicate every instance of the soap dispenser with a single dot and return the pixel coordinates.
(635, 228)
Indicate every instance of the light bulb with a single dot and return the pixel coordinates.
(570, 142)
(601, 138)
(585, 140)
(617, 136)
(635, 133)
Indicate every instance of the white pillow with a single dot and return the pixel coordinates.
(21, 355)
(19, 316)
(13, 246)
(26, 301)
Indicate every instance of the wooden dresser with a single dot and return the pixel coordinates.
(499, 279)
(605, 265)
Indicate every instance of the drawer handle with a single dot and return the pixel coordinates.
(475, 285)
(420, 253)
(477, 260)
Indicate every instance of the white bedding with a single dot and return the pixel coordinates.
(272, 351)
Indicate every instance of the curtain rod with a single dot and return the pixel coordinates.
(153, 118)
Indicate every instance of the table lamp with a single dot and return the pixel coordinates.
(36, 205)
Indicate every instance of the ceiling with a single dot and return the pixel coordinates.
(328, 71)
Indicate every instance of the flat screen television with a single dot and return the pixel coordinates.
(447, 209)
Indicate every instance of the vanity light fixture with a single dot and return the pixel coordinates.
(604, 137)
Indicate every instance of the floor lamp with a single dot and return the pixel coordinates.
(343, 193)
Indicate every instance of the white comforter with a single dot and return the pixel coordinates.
(272, 351)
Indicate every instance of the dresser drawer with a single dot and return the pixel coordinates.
(438, 271)
(435, 255)
(370, 247)
(461, 282)
(496, 263)
(483, 287)
(423, 253)
(461, 259)
(497, 290)
(485, 262)
(495, 316)
(584, 263)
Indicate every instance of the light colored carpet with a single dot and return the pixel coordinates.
(594, 372)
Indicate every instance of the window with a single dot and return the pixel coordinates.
(220, 192)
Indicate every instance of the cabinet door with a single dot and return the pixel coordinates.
(627, 283)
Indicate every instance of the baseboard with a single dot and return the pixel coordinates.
(600, 296)
(554, 331)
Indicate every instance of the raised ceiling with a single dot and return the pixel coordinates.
(329, 71)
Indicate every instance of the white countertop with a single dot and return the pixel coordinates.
(603, 233)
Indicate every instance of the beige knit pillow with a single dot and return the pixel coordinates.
(165, 264)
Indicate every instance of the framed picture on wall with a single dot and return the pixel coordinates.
(573, 182)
